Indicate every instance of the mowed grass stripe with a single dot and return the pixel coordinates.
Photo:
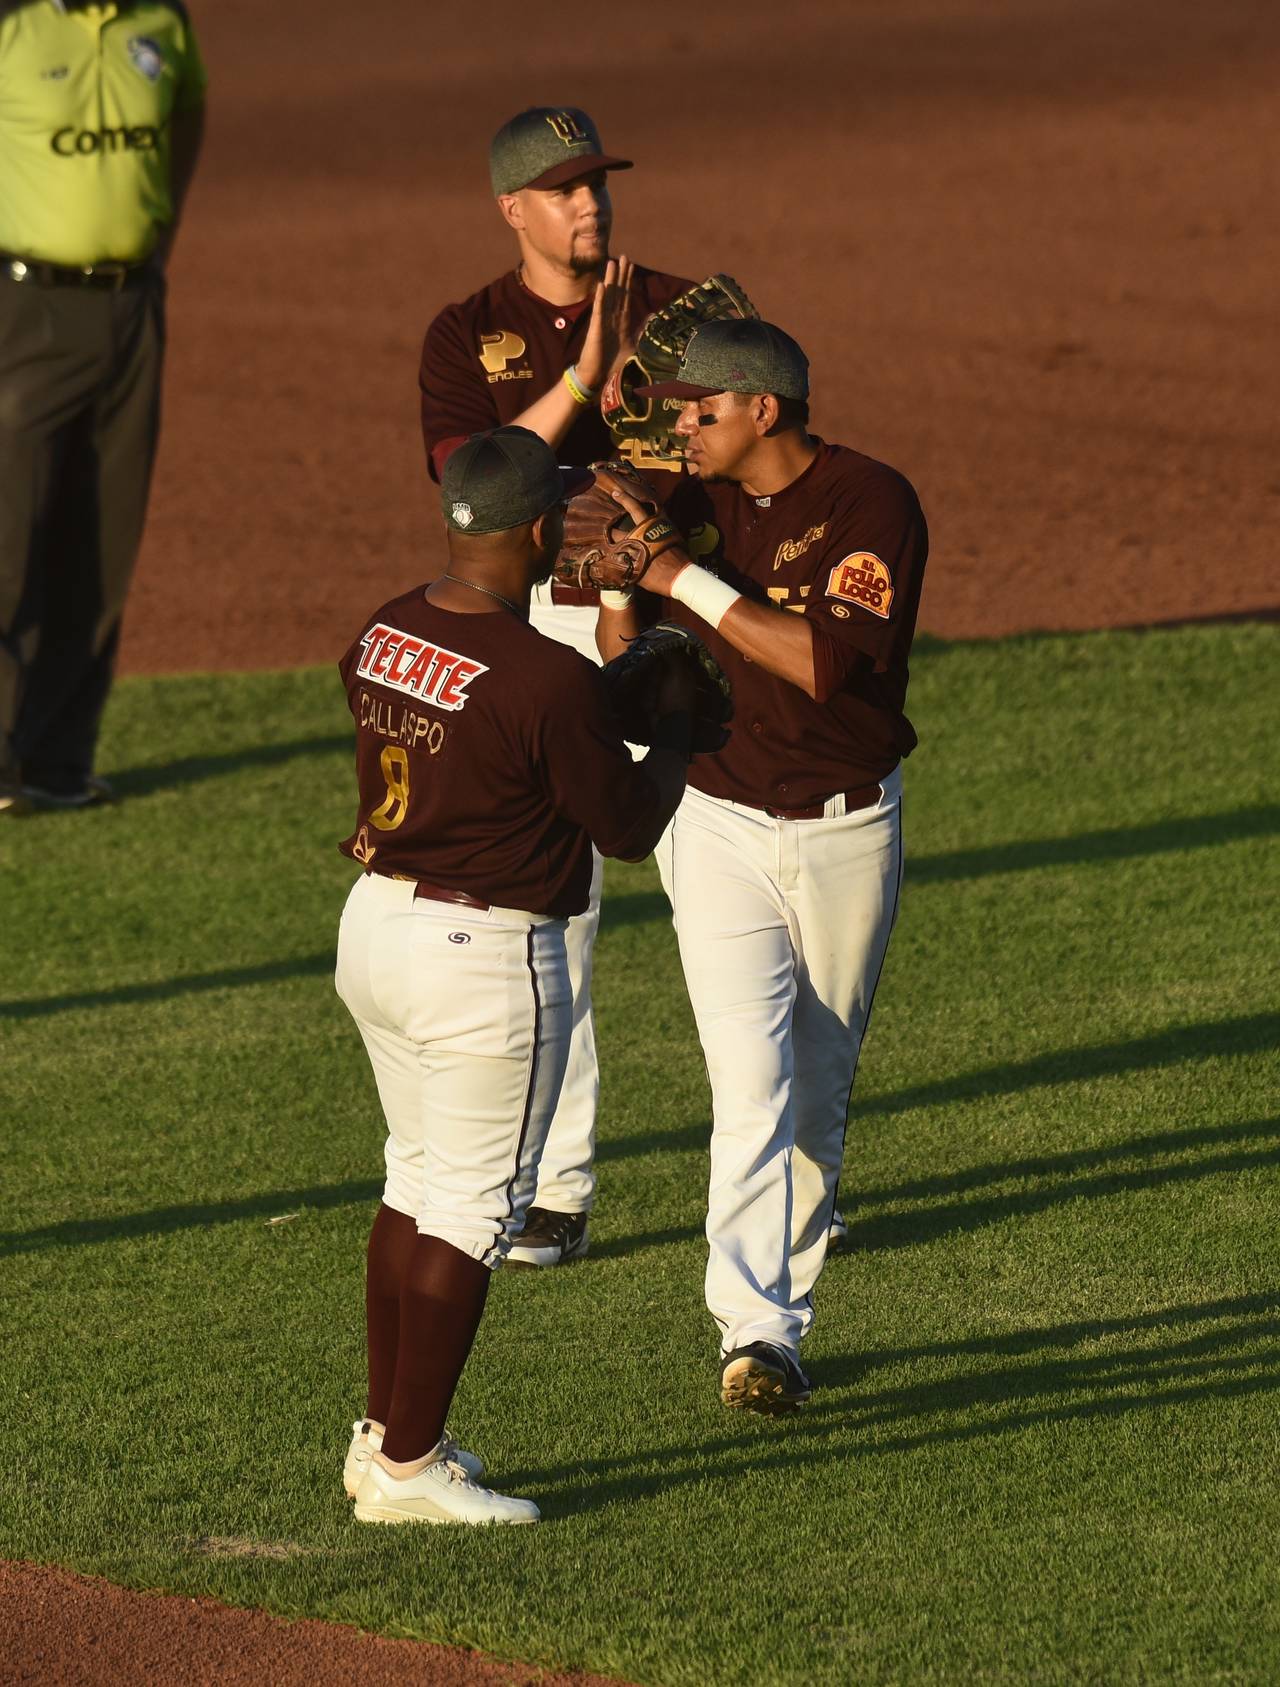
(1047, 1372)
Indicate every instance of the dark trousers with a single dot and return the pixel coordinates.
(79, 419)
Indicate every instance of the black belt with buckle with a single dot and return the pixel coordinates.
(110, 277)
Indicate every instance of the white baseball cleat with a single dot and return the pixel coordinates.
(442, 1492)
(366, 1440)
(837, 1233)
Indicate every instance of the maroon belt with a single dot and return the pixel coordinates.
(579, 597)
(862, 796)
(438, 893)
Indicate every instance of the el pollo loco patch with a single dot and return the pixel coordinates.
(863, 579)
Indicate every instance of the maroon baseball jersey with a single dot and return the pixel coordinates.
(486, 360)
(487, 758)
(844, 546)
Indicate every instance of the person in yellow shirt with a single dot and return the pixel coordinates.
(101, 114)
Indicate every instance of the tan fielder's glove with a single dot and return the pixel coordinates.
(642, 428)
(603, 547)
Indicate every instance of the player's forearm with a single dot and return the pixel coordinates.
(668, 768)
(780, 643)
(615, 628)
(552, 415)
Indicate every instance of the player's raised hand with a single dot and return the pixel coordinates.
(607, 332)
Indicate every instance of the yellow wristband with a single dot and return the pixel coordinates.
(578, 393)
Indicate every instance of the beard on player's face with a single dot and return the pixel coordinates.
(571, 225)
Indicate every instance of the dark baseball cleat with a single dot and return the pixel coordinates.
(837, 1233)
(762, 1378)
(549, 1238)
(92, 794)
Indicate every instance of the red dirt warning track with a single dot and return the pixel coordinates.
(1030, 246)
(77, 1631)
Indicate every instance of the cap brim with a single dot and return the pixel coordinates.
(677, 389)
(585, 164)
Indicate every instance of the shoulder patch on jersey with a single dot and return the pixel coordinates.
(147, 55)
(862, 578)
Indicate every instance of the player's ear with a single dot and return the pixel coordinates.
(765, 413)
(512, 209)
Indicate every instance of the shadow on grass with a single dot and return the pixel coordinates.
(227, 978)
(192, 770)
(633, 908)
(921, 1224)
(1191, 1355)
(909, 1228)
(1120, 844)
(932, 1223)
(1201, 1040)
(195, 1215)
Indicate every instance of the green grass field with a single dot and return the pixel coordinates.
(1046, 1435)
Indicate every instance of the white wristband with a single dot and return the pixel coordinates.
(709, 598)
(613, 600)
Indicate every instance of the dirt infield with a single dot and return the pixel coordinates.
(1030, 246)
(78, 1631)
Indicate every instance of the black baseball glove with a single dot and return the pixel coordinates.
(634, 679)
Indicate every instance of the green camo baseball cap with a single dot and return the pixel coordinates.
(747, 356)
(546, 146)
(502, 479)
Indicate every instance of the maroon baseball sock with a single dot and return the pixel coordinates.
(441, 1302)
(391, 1243)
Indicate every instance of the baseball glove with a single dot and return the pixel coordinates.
(603, 546)
(633, 679)
(642, 427)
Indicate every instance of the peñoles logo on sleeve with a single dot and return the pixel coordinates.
(862, 578)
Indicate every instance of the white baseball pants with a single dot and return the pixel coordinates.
(566, 1178)
(783, 927)
(465, 1015)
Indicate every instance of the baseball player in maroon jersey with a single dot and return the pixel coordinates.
(786, 854)
(488, 764)
(534, 348)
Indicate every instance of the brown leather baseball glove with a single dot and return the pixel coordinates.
(603, 546)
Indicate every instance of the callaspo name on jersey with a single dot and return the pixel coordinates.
(419, 669)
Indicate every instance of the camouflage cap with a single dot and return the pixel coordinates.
(749, 356)
(545, 146)
(502, 479)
